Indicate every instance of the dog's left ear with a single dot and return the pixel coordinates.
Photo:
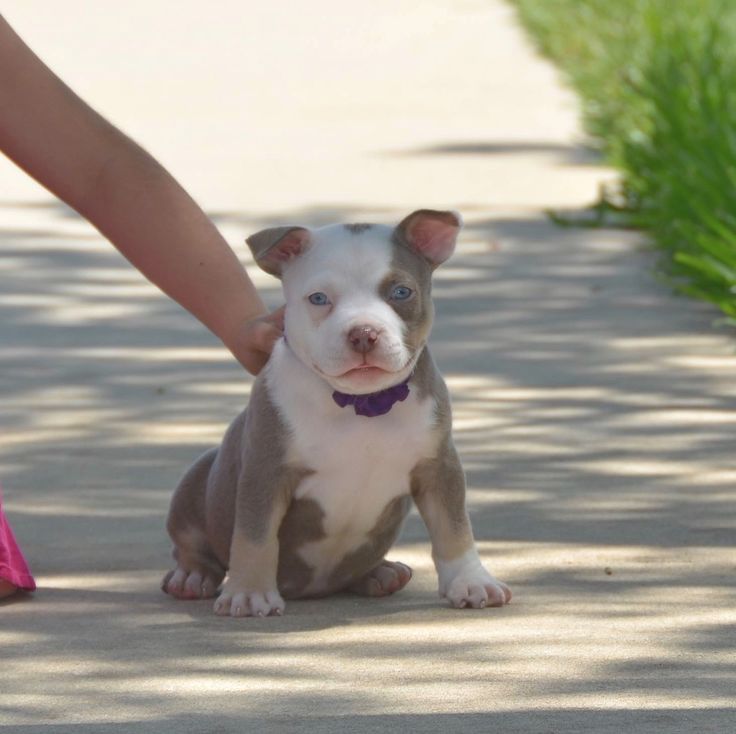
(431, 233)
(273, 248)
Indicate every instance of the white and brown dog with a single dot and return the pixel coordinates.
(348, 422)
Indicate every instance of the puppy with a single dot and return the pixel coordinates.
(347, 424)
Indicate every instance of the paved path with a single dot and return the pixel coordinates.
(594, 411)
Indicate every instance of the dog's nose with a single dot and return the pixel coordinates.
(363, 338)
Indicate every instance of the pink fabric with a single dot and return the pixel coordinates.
(13, 566)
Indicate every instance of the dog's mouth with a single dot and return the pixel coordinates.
(374, 372)
(361, 379)
(366, 378)
(365, 370)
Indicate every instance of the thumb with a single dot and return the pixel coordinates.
(276, 318)
(268, 329)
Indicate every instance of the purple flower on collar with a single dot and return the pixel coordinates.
(375, 403)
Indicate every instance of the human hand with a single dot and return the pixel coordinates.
(254, 340)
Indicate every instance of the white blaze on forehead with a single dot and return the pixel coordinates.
(350, 260)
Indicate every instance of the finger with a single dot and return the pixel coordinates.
(276, 318)
(264, 335)
(257, 338)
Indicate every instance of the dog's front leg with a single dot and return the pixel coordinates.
(251, 590)
(438, 488)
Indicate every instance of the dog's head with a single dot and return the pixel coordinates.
(358, 296)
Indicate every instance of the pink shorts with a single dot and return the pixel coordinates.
(13, 566)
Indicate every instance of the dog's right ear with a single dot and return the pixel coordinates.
(273, 248)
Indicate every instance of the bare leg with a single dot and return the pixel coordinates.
(6, 589)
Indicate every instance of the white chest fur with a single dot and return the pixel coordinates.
(359, 464)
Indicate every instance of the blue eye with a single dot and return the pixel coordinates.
(401, 293)
(319, 299)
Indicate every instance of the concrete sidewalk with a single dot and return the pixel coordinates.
(594, 411)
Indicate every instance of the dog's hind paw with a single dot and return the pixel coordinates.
(183, 584)
(386, 578)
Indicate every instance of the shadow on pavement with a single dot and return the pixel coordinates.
(655, 721)
(576, 155)
(590, 414)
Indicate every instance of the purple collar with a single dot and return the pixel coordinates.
(375, 403)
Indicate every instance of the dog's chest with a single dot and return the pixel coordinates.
(360, 464)
(358, 467)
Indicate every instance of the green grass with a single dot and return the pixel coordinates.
(658, 83)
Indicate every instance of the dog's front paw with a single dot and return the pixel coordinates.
(466, 583)
(477, 592)
(236, 602)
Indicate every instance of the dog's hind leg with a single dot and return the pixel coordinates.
(386, 578)
(198, 573)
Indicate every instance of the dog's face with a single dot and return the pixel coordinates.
(358, 297)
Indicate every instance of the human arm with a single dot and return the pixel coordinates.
(80, 157)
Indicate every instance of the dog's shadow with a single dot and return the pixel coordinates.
(313, 615)
(167, 613)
